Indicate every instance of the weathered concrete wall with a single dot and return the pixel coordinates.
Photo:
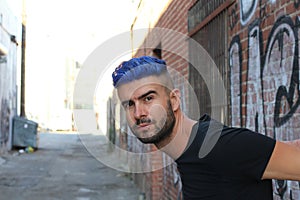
(10, 28)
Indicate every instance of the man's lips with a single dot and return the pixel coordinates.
(143, 125)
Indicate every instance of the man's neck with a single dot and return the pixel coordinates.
(176, 144)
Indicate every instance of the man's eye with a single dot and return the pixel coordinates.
(148, 98)
(128, 104)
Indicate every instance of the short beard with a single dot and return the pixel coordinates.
(166, 129)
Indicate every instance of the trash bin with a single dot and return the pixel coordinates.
(24, 132)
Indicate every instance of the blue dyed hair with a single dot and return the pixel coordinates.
(137, 68)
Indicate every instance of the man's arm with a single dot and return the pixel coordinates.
(284, 163)
(296, 143)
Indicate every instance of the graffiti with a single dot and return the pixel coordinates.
(280, 187)
(235, 63)
(254, 87)
(233, 17)
(262, 10)
(276, 68)
(4, 122)
(272, 98)
(247, 9)
(287, 101)
(171, 171)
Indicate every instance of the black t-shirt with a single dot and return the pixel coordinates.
(231, 170)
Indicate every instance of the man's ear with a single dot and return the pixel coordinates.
(175, 99)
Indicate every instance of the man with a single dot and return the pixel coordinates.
(240, 165)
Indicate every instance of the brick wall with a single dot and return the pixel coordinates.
(263, 60)
(164, 184)
(264, 63)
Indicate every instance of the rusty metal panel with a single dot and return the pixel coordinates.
(213, 37)
(201, 10)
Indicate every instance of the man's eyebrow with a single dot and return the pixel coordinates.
(140, 97)
(147, 93)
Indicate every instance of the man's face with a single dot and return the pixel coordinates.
(148, 109)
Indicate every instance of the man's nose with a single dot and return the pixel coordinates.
(140, 111)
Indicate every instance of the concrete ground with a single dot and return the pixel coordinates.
(61, 168)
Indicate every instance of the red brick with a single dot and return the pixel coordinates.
(175, 17)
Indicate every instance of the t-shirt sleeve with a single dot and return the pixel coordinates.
(240, 153)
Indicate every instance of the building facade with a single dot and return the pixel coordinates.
(10, 42)
(255, 47)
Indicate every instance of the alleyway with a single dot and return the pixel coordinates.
(61, 169)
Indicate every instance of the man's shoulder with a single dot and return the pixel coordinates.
(206, 122)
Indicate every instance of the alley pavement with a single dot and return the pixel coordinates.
(61, 168)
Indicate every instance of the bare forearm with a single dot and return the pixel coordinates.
(284, 163)
(295, 143)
